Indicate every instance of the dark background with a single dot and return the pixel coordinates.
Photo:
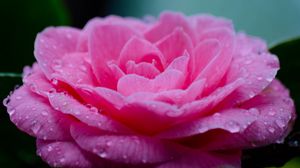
(21, 20)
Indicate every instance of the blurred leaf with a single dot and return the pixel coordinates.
(294, 163)
(289, 56)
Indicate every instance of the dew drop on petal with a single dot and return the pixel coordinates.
(271, 129)
(280, 123)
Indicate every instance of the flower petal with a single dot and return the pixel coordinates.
(168, 22)
(53, 44)
(132, 83)
(74, 69)
(175, 44)
(103, 49)
(63, 154)
(140, 50)
(218, 65)
(254, 63)
(144, 69)
(88, 115)
(122, 148)
(32, 114)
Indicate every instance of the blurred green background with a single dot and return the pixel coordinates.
(273, 20)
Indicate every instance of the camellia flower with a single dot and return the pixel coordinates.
(179, 92)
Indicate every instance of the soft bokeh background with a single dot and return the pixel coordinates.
(21, 20)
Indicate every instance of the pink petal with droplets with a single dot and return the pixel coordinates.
(32, 114)
(63, 154)
(37, 81)
(132, 149)
(53, 44)
(252, 62)
(88, 115)
(73, 69)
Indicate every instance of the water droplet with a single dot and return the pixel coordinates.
(217, 115)
(251, 94)
(33, 108)
(271, 129)
(50, 148)
(125, 156)
(269, 79)
(83, 68)
(64, 103)
(11, 112)
(248, 62)
(62, 160)
(94, 109)
(77, 112)
(280, 123)
(35, 127)
(271, 113)
(103, 154)
(54, 81)
(6, 101)
(253, 111)
(19, 97)
(259, 78)
(69, 36)
(233, 126)
(109, 143)
(144, 160)
(44, 113)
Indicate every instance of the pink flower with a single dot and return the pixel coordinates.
(174, 93)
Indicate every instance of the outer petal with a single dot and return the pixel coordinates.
(34, 115)
(277, 115)
(88, 115)
(269, 119)
(122, 148)
(63, 154)
(74, 69)
(232, 120)
(254, 63)
(52, 44)
(37, 81)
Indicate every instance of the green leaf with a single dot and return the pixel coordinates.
(294, 163)
(289, 56)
